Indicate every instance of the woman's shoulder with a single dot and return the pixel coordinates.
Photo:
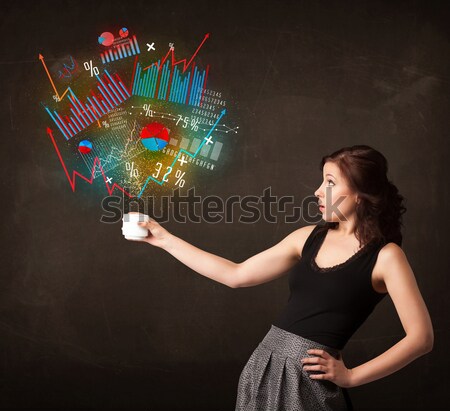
(302, 236)
(390, 251)
(391, 258)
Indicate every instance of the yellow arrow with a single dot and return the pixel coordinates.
(41, 57)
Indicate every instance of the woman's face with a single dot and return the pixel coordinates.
(335, 195)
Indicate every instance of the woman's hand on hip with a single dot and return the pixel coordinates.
(333, 369)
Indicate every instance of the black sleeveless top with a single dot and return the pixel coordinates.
(328, 305)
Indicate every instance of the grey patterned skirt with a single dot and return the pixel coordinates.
(273, 378)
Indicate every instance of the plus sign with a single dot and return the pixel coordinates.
(182, 160)
(208, 140)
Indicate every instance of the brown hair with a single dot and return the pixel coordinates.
(379, 211)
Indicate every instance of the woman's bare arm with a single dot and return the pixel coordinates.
(392, 265)
(273, 262)
(207, 264)
(261, 268)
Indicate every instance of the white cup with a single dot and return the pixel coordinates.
(130, 228)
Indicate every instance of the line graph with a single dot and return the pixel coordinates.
(75, 174)
(112, 151)
(171, 53)
(59, 98)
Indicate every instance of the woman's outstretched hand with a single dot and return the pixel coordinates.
(334, 369)
(157, 235)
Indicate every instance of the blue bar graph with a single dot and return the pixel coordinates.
(170, 84)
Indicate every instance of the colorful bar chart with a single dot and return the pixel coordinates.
(168, 83)
(110, 93)
(121, 51)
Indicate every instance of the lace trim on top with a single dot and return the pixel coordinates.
(315, 267)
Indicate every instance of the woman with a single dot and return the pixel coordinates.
(340, 270)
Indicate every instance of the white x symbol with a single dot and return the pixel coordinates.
(109, 179)
(150, 47)
(182, 160)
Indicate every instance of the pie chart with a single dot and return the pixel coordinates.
(155, 136)
(123, 32)
(106, 39)
(85, 147)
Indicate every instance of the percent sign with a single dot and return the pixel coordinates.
(179, 175)
(194, 124)
(148, 111)
(89, 67)
(130, 167)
